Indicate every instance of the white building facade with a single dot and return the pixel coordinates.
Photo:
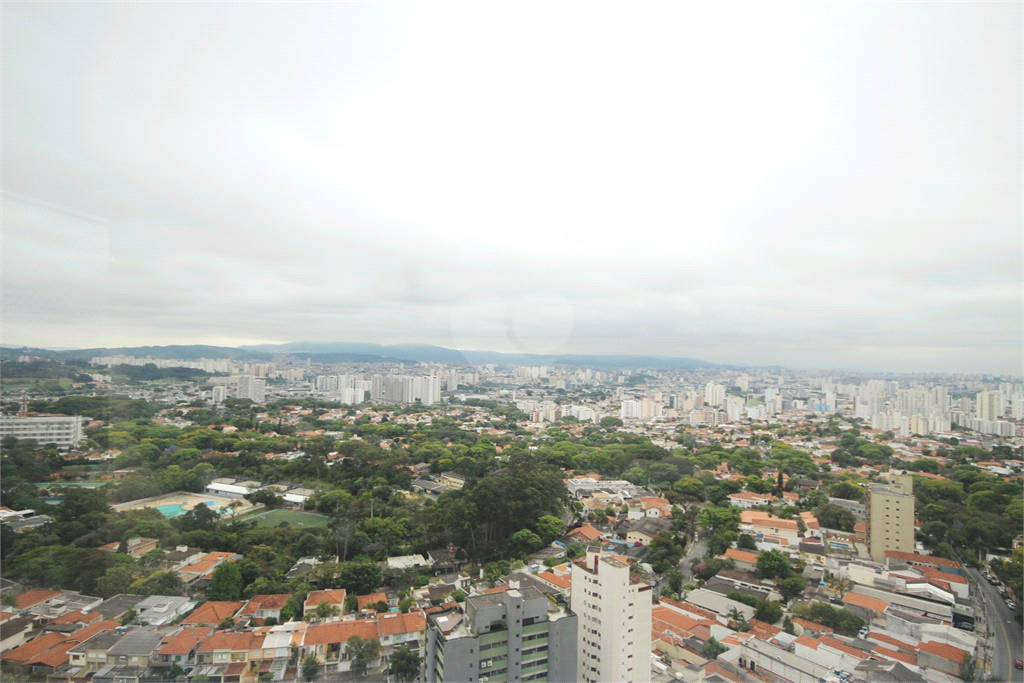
(614, 636)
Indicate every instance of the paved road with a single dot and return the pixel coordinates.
(698, 549)
(1007, 643)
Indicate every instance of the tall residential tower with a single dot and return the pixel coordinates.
(614, 613)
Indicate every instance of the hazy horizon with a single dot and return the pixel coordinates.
(805, 185)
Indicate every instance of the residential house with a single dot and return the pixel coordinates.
(91, 654)
(14, 632)
(227, 647)
(406, 562)
(644, 530)
(334, 597)
(396, 629)
(119, 605)
(205, 566)
(327, 641)
(745, 560)
(263, 607)
(586, 534)
(941, 656)
(157, 610)
(136, 547)
(212, 613)
(748, 500)
(137, 647)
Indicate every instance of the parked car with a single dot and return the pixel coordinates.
(1011, 604)
(1018, 664)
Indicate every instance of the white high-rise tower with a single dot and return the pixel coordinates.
(614, 636)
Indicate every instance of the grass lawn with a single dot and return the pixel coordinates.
(293, 517)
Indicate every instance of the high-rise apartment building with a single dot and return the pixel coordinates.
(515, 635)
(890, 511)
(990, 405)
(64, 432)
(714, 394)
(252, 388)
(614, 613)
(219, 394)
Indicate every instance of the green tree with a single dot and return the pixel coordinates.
(310, 667)
(325, 609)
(712, 648)
(768, 611)
(792, 587)
(968, 669)
(226, 623)
(773, 564)
(226, 583)
(549, 528)
(362, 652)
(746, 542)
(524, 542)
(404, 664)
(266, 496)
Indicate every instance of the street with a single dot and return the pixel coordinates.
(1007, 643)
(698, 549)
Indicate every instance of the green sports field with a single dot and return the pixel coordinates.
(293, 517)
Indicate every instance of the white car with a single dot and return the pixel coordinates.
(1011, 604)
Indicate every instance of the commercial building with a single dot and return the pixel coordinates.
(64, 431)
(890, 516)
(614, 613)
(514, 635)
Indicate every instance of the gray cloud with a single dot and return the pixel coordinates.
(803, 184)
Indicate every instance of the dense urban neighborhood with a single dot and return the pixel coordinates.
(311, 518)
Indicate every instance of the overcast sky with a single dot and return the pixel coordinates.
(817, 185)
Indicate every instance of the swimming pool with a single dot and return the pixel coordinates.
(171, 510)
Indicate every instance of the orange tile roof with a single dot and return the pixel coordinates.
(75, 617)
(200, 567)
(559, 581)
(922, 559)
(397, 622)
(34, 647)
(182, 642)
(53, 657)
(808, 641)
(843, 647)
(35, 596)
(762, 630)
(235, 641)
(340, 631)
(933, 573)
(689, 607)
(741, 555)
(364, 600)
(889, 640)
(812, 625)
(664, 619)
(904, 657)
(953, 654)
(269, 602)
(865, 601)
(587, 532)
(213, 612)
(333, 597)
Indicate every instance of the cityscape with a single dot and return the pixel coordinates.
(279, 517)
(528, 342)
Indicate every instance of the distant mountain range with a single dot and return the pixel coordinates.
(357, 352)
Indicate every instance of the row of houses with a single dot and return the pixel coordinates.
(101, 650)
